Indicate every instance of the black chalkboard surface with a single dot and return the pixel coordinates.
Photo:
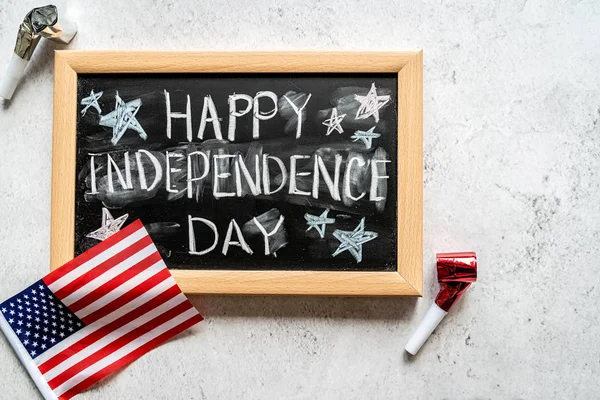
(243, 171)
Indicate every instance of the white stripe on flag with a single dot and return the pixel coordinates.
(118, 313)
(97, 260)
(109, 274)
(111, 337)
(125, 350)
(124, 288)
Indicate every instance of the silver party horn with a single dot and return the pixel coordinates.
(38, 23)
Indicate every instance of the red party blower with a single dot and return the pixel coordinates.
(456, 272)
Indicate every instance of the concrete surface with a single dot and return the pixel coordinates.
(512, 160)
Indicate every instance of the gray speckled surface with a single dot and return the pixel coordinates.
(512, 154)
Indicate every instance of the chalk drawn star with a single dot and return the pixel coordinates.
(123, 118)
(91, 101)
(352, 241)
(318, 222)
(366, 137)
(333, 123)
(370, 104)
(110, 226)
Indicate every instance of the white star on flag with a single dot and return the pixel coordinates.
(334, 121)
(370, 104)
(123, 118)
(110, 226)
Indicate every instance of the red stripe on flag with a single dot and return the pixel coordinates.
(115, 282)
(117, 344)
(137, 353)
(91, 253)
(105, 330)
(127, 297)
(103, 267)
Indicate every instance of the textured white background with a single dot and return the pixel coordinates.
(512, 159)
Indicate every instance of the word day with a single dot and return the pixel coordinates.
(268, 226)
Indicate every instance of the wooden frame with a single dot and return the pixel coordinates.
(407, 280)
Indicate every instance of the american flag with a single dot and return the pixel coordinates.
(97, 313)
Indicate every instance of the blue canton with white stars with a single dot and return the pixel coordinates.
(39, 319)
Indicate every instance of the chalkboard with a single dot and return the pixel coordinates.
(244, 171)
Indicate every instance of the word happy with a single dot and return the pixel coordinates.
(239, 105)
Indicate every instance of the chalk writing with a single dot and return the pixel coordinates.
(243, 172)
(298, 110)
(269, 226)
